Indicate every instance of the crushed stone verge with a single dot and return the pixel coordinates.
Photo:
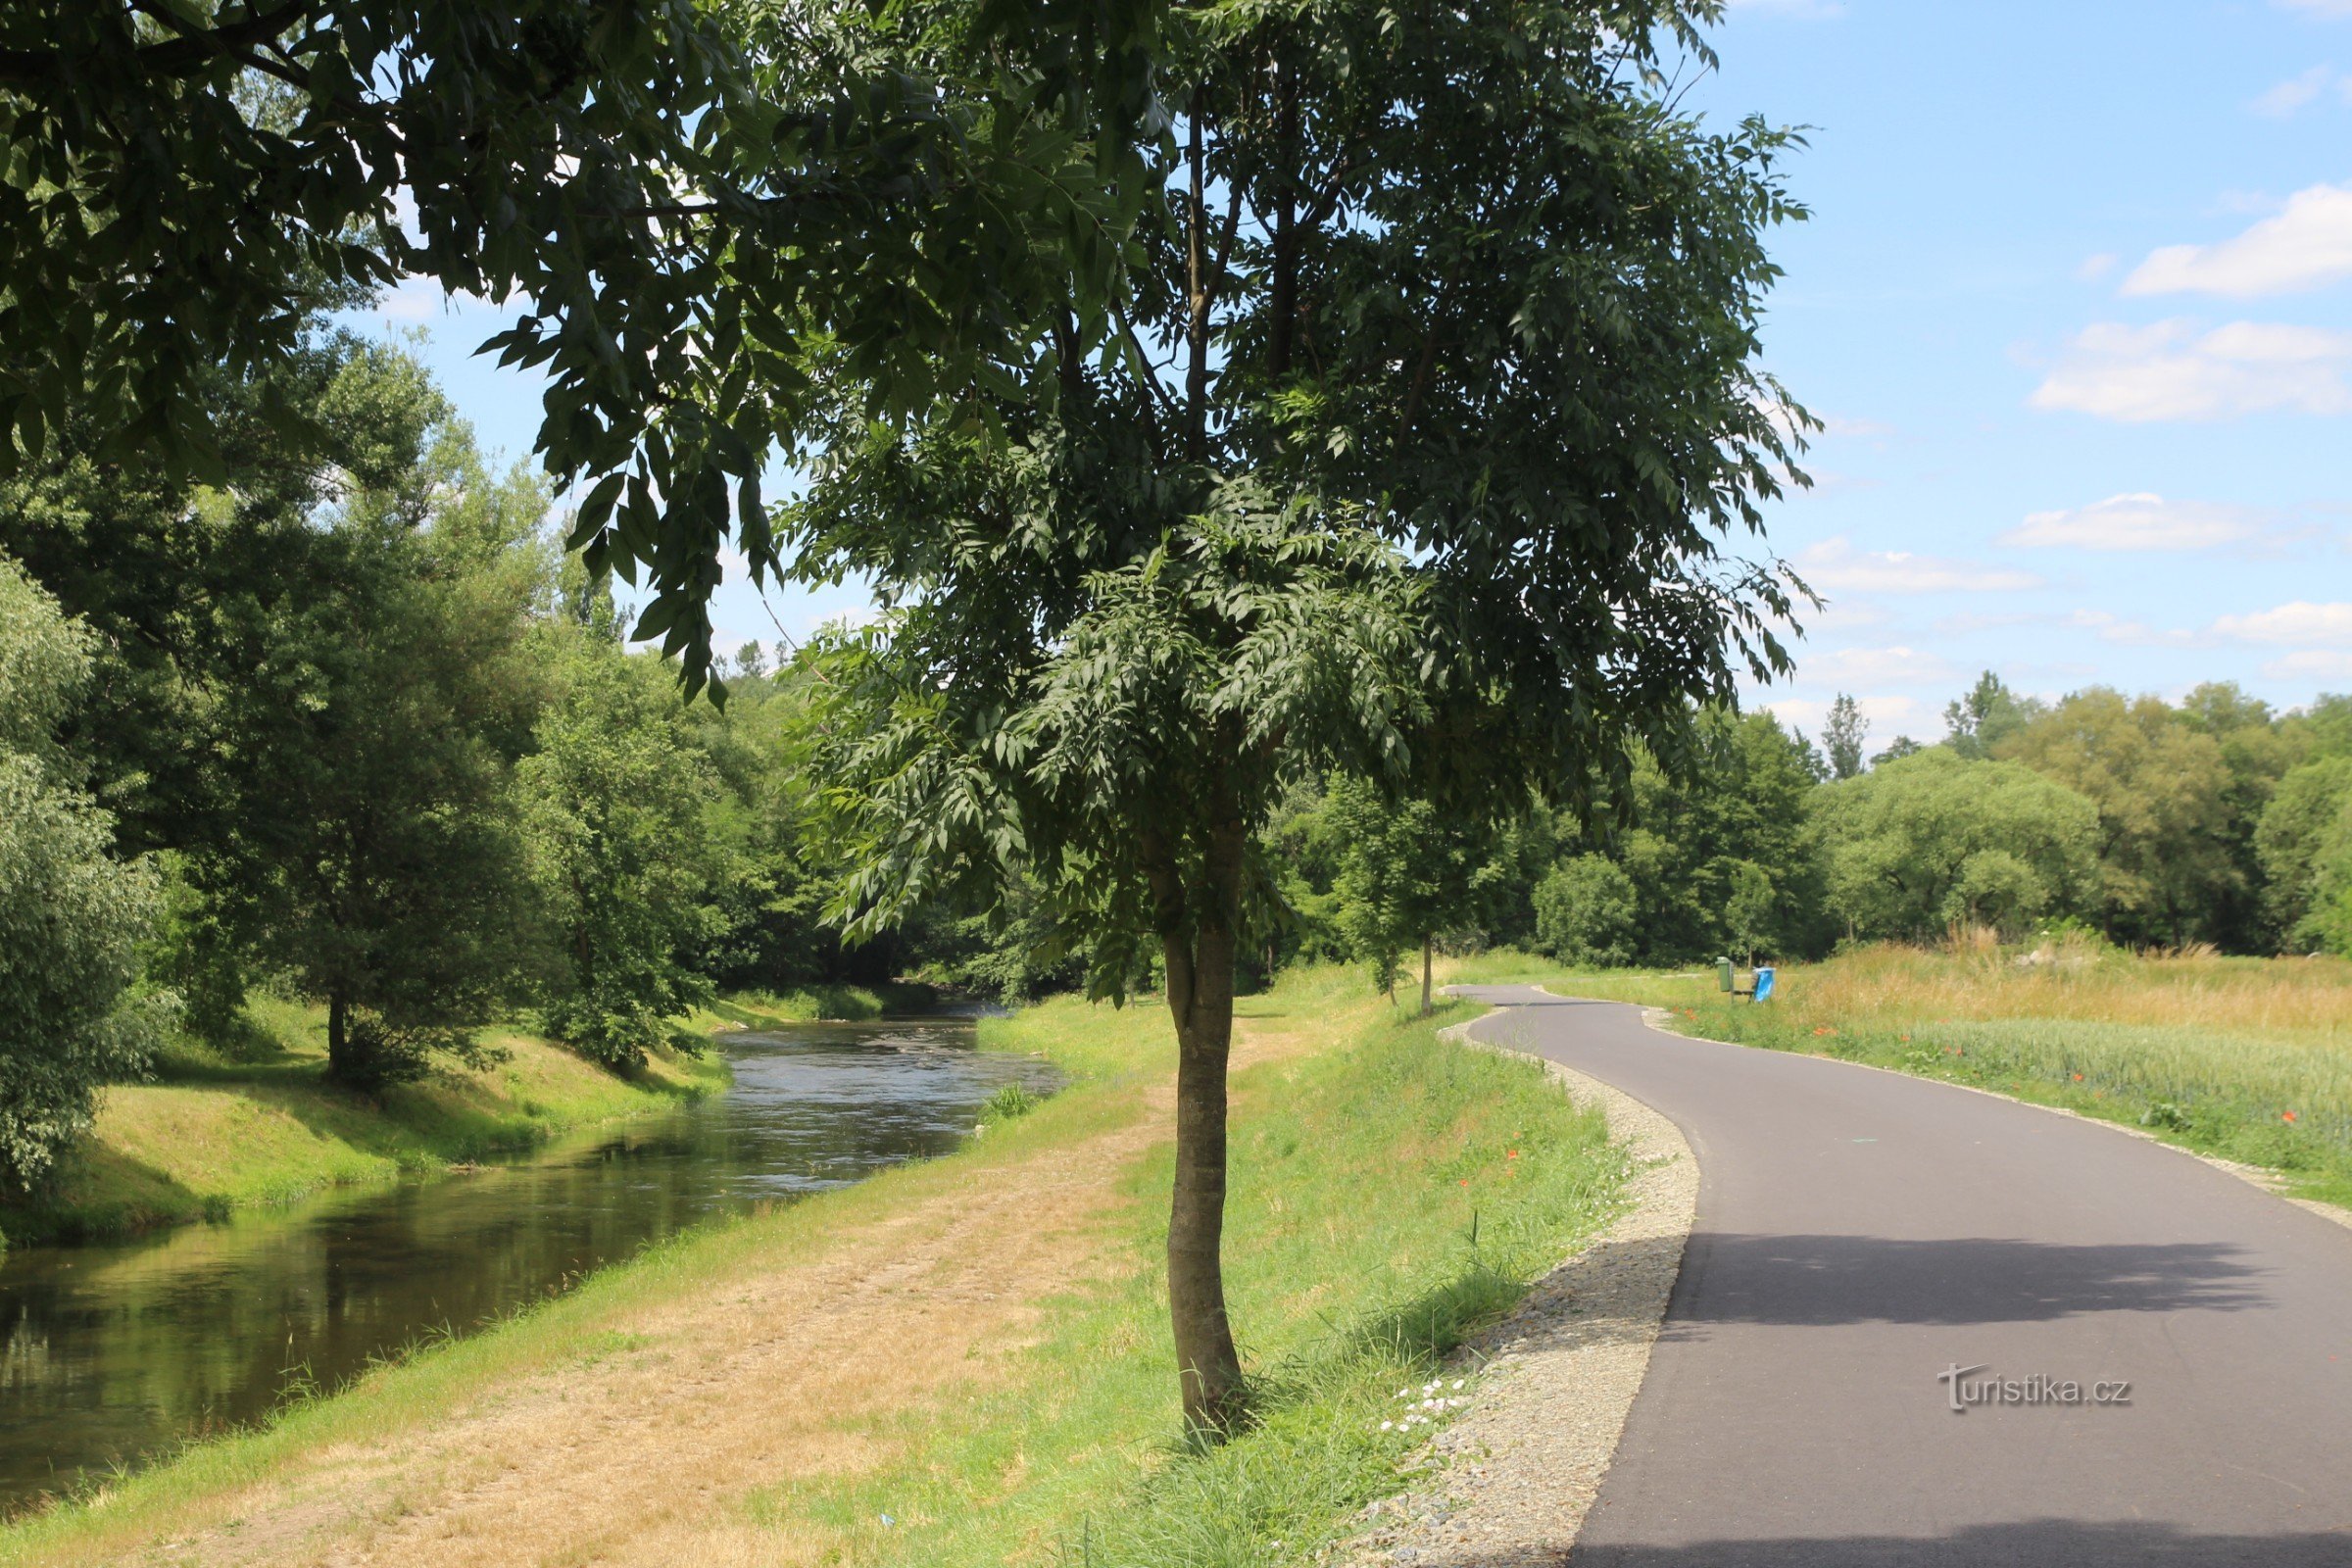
(1508, 1484)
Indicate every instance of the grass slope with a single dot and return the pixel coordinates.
(2247, 1058)
(1391, 1191)
(211, 1134)
(768, 1009)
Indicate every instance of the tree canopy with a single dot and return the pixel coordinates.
(73, 918)
(1416, 443)
(1933, 840)
(677, 196)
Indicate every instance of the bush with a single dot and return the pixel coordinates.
(1587, 913)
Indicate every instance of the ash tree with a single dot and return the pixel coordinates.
(674, 194)
(1413, 445)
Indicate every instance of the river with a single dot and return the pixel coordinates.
(111, 1352)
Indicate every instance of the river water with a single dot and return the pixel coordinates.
(111, 1352)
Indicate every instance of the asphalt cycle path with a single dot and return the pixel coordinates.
(1871, 1250)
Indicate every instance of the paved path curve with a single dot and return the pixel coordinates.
(1859, 1231)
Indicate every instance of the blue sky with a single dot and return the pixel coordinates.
(2075, 305)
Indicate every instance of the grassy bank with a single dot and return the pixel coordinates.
(2247, 1058)
(214, 1133)
(1006, 1395)
(770, 1009)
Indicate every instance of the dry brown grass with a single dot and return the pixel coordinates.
(2308, 998)
(802, 1361)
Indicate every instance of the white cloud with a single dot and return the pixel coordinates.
(1874, 666)
(2321, 8)
(2312, 663)
(2134, 633)
(1835, 564)
(2139, 521)
(2168, 370)
(2305, 245)
(1888, 714)
(2295, 92)
(2302, 622)
(1862, 429)
(1964, 625)
(1846, 614)
(2098, 266)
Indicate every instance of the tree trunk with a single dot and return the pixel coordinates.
(1200, 954)
(1214, 1399)
(338, 1036)
(1426, 944)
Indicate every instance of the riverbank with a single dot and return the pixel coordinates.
(825, 1003)
(963, 1360)
(2245, 1059)
(213, 1133)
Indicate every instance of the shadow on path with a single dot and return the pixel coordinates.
(1878, 1279)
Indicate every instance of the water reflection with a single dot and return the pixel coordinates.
(108, 1351)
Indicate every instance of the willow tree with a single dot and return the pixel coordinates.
(1415, 445)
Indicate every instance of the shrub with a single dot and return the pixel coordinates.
(1586, 912)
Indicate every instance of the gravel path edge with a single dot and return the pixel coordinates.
(1507, 1485)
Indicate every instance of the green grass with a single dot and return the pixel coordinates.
(1391, 1192)
(258, 1124)
(2245, 1058)
(770, 1009)
(1379, 1214)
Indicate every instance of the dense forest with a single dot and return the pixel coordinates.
(352, 727)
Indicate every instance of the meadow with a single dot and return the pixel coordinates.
(1011, 1395)
(2247, 1058)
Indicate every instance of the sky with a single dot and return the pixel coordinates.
(2074, 307)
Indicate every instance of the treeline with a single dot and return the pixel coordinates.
(349, 725)
(2215, 821)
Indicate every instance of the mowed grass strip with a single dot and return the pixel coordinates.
(2247, 1058)
(963, 1361)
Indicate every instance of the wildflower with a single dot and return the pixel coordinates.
(2287, 1115)
(2077, 1077)
(1457, 1383)
(1405, 1393)
(1514, 1155)
(1388, 1426)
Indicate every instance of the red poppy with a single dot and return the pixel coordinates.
(2287, 1115)
(2077, 1077)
